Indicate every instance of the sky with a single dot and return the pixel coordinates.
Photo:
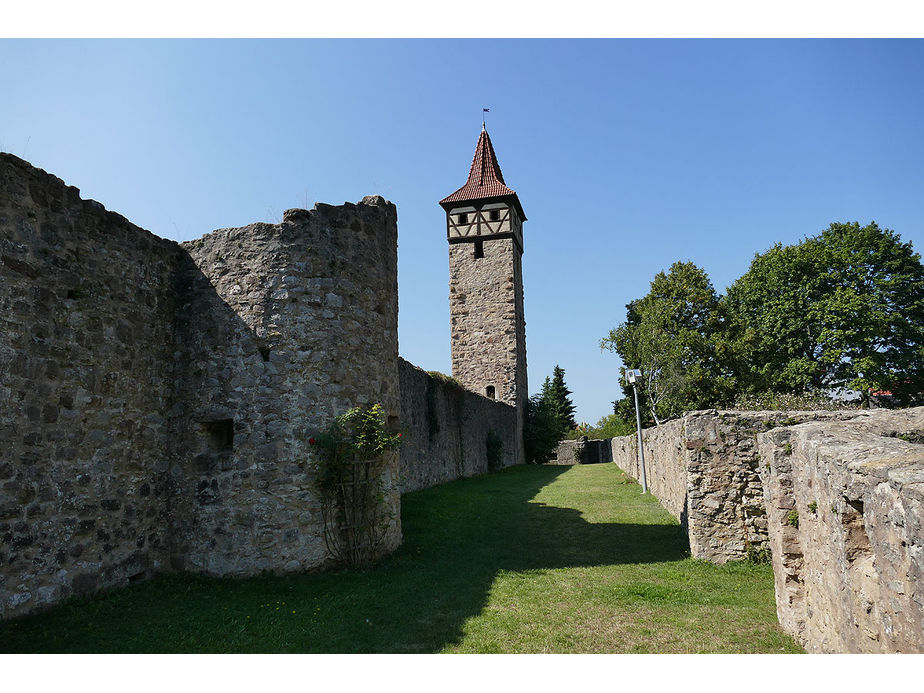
(627, 154)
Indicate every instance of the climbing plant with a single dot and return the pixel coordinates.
(352, 456)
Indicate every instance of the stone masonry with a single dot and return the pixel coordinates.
(836, 496)
(704, 469)
(450, 432)
(282, 327)
(87, 380)
(582, 451)
(156, 400)
(845, 504)
(485, 310)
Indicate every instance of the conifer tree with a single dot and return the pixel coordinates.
(549, 418)
(557, 396)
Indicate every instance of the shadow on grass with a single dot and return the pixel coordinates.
(457, 538)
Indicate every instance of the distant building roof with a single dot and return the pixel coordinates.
(485, 179)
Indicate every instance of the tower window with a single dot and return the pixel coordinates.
(494, 214)
(489, 391)
(463, 218)
(479, 249)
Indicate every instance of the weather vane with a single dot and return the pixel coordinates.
(483, 111)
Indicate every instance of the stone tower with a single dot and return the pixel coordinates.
(484, 226)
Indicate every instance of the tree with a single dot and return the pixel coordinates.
(549, 417)
(557, 394)
(610, 426)
(844, 309)
(541, 430)
(670, 335)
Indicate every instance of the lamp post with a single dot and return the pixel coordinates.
(632, 376)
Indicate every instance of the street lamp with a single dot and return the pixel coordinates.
(633, 376)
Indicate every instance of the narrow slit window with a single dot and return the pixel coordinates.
(495, 215)
(479, 249)
(489, 391)
(463, 218)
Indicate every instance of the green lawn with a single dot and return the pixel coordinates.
(531, 559)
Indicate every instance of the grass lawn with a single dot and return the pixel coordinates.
(531, 559)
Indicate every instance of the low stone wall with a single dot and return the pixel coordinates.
(450, 432)
(845, 507)
(665, 464)
(582, 451)
(703, 468)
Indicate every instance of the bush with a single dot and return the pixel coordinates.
(352, 455)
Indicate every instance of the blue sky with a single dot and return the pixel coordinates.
(627, 154)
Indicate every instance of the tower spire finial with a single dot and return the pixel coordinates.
(483, 111)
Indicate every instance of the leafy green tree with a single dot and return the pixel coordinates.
(625, 409)
(844, 309)
(670, 335)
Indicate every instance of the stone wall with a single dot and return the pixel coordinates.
(86, 390)
(156, 400)
(704, 469)
(582, 451)
(845, 505)
(284, 326)
(666, 461)
(447, 429)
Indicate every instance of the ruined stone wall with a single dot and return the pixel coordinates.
(447, 429)
(845, 504)
(156, 400)
(704, 469)
(86, 393)
(285, 326)
(666, 461)
(582, 451)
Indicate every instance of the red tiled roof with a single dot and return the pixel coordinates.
(485, 178)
